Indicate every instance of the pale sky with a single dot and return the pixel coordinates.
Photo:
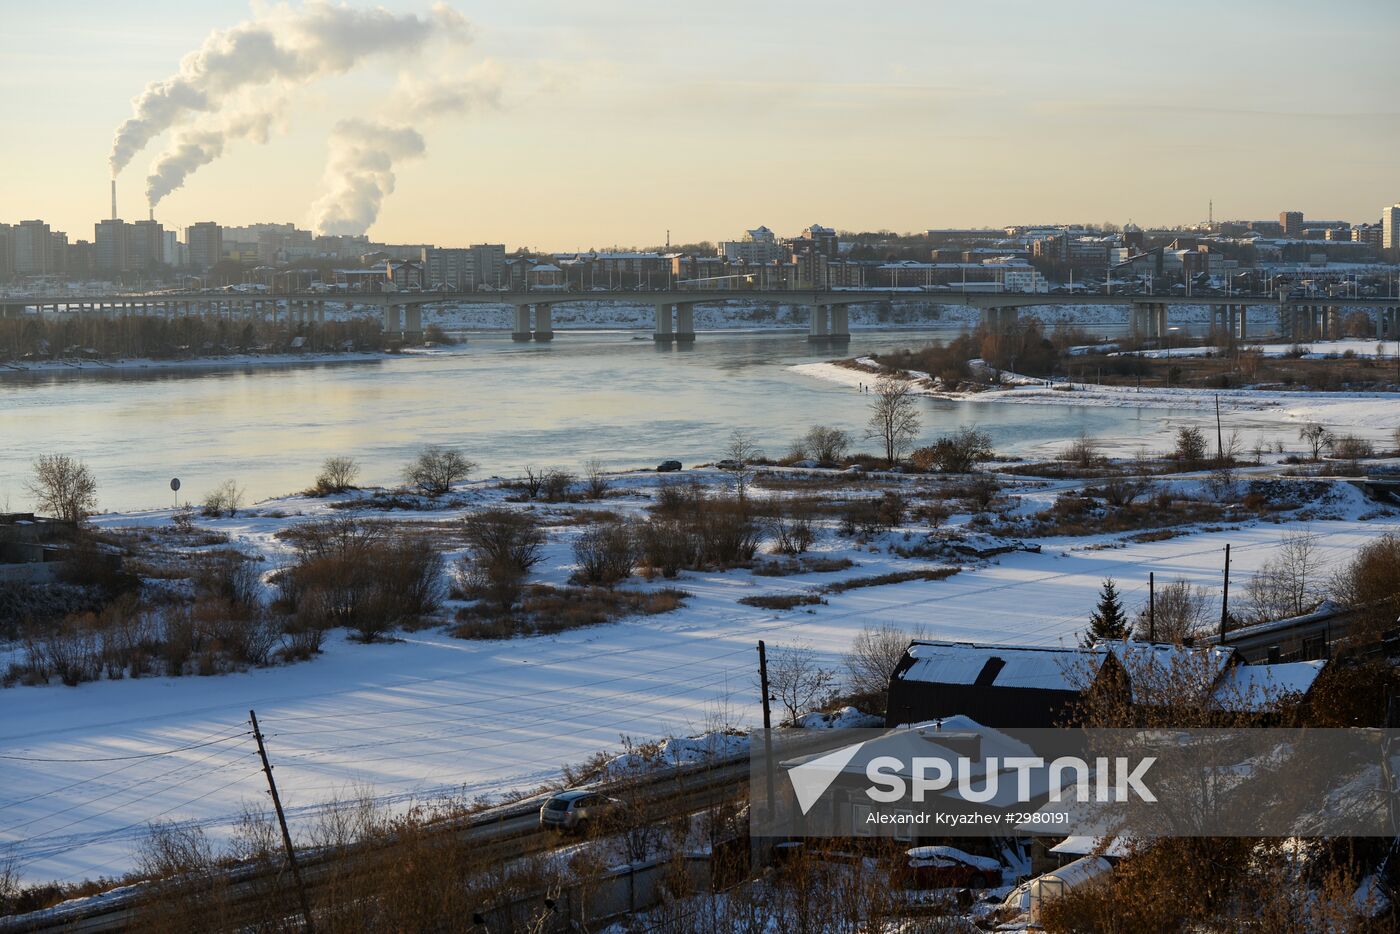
(620, 120)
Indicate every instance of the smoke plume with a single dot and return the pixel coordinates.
(202, 143)
(294, 47)
(360, 173)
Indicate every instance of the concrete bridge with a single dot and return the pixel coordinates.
(1299, 317)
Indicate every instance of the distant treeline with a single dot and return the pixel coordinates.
(158, 337)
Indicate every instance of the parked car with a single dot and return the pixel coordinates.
(947, 867)
(575, 809)
(668, 466)
(730, 464)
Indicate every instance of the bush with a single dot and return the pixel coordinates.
(605, 554)
(874, 654)
(555, 485)
(959, 452)
(224, 500)
(436, 468)
(792, 528)
(1190, 445)
(666, 546)
(546, 610)
(1082, 452)
(337, 475)
(873, 516)
(823, 444)
(1352, 448)
(502, 548)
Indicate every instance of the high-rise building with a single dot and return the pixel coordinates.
(110, 246)
(1291, 223)
(58, 252)
(205, 242)
(146, 245)
(33, 246)
(7, 251)
(489, 260)
(1390, 227)
(1369, 234)
(759, 246)
(464, 269)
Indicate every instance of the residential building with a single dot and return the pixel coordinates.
(145, 245)
(758, 247)
(205, 242)
(1369, 234)
(1023, 279)
(33, 248)
(110, 246)
(79, 261)
(822, 239)
(404, 274)
(7, 251)
(1390, 227)
(1291, 223)
(464, 269)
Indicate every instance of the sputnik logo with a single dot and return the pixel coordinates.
(810, 780)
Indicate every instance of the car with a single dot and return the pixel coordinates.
(574, 809)
(947, 867)
(730, 464)
(668, 466)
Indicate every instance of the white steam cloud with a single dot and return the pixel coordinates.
(201, 144)
(294, 47)
(360, 173)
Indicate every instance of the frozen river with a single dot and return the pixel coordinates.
(608, 395)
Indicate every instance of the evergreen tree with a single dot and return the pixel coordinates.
(1109, 622)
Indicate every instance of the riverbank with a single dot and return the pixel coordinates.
(229, 361)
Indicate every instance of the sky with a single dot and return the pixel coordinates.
(617, 121)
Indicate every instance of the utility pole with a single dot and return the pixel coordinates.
(1225, 596)
(1151, 607)
(282, 820)
(1219, 437)
(767, 722)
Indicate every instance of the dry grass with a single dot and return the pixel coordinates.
(894, 577)
(544, 610)
(781, 601)
(802, 565)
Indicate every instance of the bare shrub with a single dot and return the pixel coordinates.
(605, 554)
(556, 484)
(959, 452)
(725, 532)
(337, 475)
(666, 546)
(1370, 585)
(436, 468)
(224, 500)
(228, 574)
(1352, 448)
(1083, 452)
(502, 548)
(796, 679)
(792, 528)
(1181, 612)
(740, 453)
(874, 654)
(532, 483)
(63, 487)
(595, 481)
(1288, 584)
(1190, 445)
(824, 444)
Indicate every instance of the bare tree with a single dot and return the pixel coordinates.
(595, 481)
(1082, 452)
(1190, 445)
(436, 468)
(533, 481)
(959, 452)
(739, 457)
(1179, 612)
(337, 475)
(874, 654)
(1317, 438)
(797, 681)
(1289, 583)
(792, 528)
(63, 487)
(894, 417)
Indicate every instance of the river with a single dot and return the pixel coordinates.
(603, 394)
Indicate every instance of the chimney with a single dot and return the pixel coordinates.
(114, 199)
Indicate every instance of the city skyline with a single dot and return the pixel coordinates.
(612, 129)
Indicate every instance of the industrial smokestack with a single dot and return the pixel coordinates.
(114, 199)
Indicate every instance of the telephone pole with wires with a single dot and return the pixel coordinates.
(282, 820)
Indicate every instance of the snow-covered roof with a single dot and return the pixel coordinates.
(1055, 669)
(927, 854)
(1260, 687)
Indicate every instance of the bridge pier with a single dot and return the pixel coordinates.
(840, 324)
(685, 322)
(819, 326)
(393, 320)
(544, 322)
(522, 324)
(664, 332)
(1000, 319)
(413, 322)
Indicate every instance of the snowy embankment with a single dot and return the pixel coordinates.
(1308, 350)
(231, 361)
(83, 770)
(1373, 415)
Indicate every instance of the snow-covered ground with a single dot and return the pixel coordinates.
(1310, 350)
(84, 769)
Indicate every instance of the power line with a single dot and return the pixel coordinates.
(144, 755)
